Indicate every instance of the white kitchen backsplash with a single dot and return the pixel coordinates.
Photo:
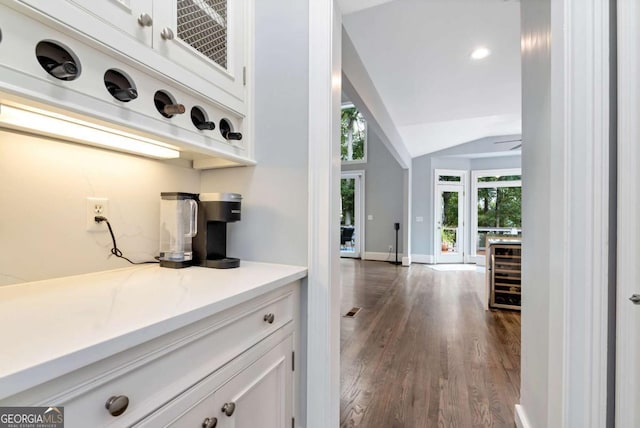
(43, 189)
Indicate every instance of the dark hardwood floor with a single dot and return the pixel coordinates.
(423, 352)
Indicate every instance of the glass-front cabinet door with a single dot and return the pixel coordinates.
(207, 37)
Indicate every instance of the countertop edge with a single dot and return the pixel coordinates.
(30, 377)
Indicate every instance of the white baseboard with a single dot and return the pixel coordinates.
(406, 261)
(381, 257)
(521, 418)
(422, 258)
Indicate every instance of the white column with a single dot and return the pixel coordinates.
(323, 335)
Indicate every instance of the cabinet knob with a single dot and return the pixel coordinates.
(210, 423)
(167, 33)
(229, 408)
(145, 20)
(116, 405)
(270, 318)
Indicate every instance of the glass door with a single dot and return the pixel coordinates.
(350, 215)
(449, 230)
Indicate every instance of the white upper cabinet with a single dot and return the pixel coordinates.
(194, 54)
(201, 44)
(134, 17)
(205, 36)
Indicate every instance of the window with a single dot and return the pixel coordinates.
(497, 197)
(450, 178)
(353, 135)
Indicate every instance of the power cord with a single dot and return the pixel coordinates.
(115, 250)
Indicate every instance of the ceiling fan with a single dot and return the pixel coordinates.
(518, 140)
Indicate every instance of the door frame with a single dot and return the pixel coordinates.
(463, 184)
(581, 62)
(440, 258)
(359, 212)
(565, 354)
(628, 248)
(320, 377)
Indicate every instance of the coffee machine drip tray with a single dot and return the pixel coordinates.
(226, 263)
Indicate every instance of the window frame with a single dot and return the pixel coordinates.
(475, 185)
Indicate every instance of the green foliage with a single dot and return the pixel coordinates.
(449, 237)
(450, 178)
(347, 193)
(352, 129)
(450, 209)
(449, 203)
(500, 207)
(501, 178)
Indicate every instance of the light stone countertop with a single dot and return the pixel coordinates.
(52, 327)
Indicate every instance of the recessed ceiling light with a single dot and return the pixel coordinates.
(480, 53)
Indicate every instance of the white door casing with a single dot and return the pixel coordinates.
(460, 187)
(323, 285)
(359, 213)
(566, 55)
(445, 253)
(628, 240)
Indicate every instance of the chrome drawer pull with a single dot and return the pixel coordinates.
(229, 408)
(210, 423)
(117, 405)
(269, 318)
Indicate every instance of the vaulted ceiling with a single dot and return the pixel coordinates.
(417, 54)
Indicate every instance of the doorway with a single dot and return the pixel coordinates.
(351, 211)
(449, 229)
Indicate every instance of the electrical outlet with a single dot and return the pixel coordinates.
(390, 247)
(97, 206)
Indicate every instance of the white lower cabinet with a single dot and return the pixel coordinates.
(239, 360)
(254, 391)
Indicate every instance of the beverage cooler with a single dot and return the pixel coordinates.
(504, 274)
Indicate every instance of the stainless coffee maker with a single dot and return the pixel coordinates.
(215, 210)
(178, 226)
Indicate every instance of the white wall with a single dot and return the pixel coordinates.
(274, 212)
(360, 90)
(274, 225)
(44, 184)
(536, 215)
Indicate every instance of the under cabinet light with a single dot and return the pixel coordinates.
(75, 130)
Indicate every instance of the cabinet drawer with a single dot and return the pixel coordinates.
(155, 378)
(252, 391)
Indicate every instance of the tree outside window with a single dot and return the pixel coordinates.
(353, 135)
